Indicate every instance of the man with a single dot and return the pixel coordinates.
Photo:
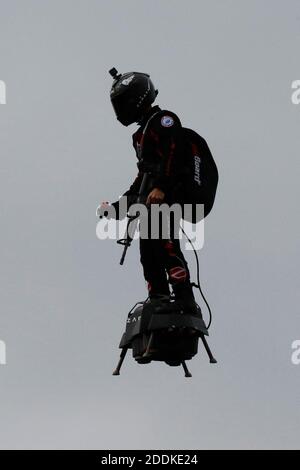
(160, 147)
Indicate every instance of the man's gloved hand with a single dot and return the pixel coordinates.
(156, 196)
(102, 209)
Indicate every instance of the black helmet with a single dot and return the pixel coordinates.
(131, 94)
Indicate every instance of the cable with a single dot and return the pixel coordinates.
(198, 278)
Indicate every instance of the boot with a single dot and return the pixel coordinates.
(184, 297)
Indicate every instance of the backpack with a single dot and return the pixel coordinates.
(200, 178)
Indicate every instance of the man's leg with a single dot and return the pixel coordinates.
(153, 267)
(177, 268)
(161, 256)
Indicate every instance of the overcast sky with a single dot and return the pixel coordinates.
(226, 68)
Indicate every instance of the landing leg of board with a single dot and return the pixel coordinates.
(147, 352)
(212, 360)
(186, 371)
(122, 357)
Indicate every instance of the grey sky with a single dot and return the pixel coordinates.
(226, 68)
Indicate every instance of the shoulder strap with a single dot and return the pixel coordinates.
(144, 132)
(149, 120)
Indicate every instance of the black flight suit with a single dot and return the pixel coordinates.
(162, 150)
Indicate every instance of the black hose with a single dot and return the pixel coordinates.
(198, 278)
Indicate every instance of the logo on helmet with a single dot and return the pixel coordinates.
(126, 81)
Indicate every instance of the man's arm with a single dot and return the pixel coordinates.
(131, 194)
